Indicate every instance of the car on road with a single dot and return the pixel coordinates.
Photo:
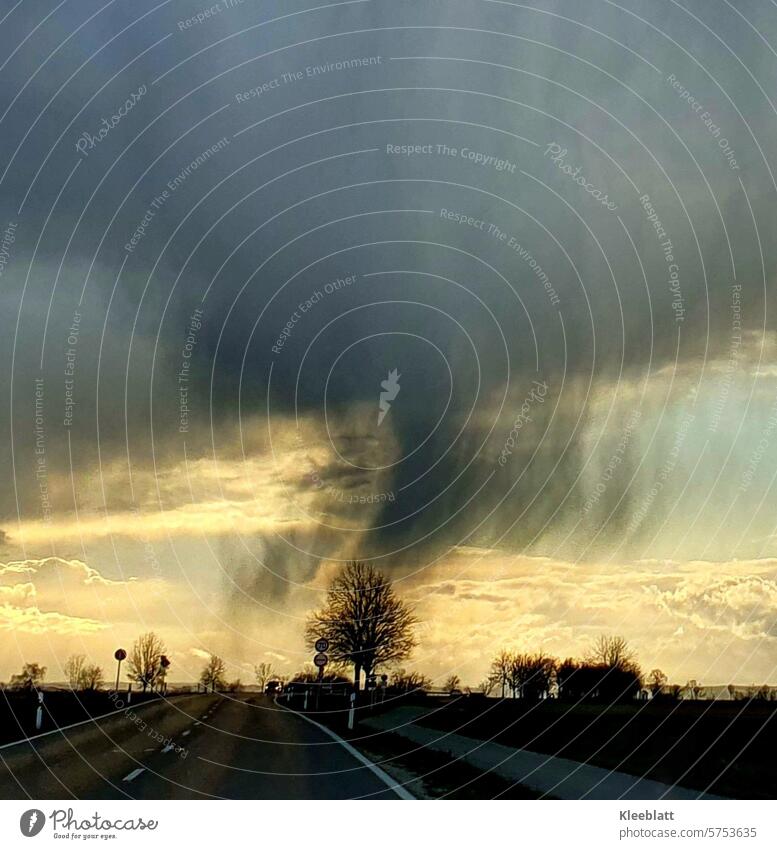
(273, 688)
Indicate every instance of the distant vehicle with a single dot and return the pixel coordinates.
(273, 688)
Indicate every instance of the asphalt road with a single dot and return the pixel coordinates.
(220, 747)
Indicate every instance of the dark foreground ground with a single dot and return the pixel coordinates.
(246, 746)
(60, 707)
(213, 746)
(723, 748)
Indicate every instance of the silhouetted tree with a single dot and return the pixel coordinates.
(488, 685)
(620, 677)
(264, 673)
(565, 679)
(532, 675)
(451, 683)
(408, 682)
(309, 675)
(501, 667)
(145, 659)
(213, 674)
(30, 678)
(656, 682)
(611, 651)
(82, 675)
(91, 677)
(74, 669)
(366, 623)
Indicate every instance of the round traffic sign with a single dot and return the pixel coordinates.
(322, 644)
(120, 654)
(321, 659)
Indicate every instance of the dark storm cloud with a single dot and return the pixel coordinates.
(257, 229)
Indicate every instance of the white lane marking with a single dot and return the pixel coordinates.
(186, 733)
(373, 767)
(168, 748)
(134, 774)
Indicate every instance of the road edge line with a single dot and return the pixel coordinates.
(390, 782)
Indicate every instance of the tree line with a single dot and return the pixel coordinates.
(368, 628)
(608, 672)
(144, 663)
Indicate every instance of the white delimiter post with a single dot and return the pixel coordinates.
(39, 712)
(351, 712)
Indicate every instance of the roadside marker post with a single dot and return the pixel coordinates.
(351, 711)
(39, 712)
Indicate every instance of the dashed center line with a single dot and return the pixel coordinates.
(134, 774)
(186, 733)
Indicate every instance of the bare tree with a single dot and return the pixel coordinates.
(531, 676)
(366, 623)
(620, 674)
(488, 685)
(31, 677)
(213, 674)
(91, 677)
(264, 673)
(145, 659)
(74, 669)
(613, 652)
(407, 682)
(452, 682)
(501, 668)
(657, 680)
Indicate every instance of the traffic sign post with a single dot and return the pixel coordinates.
(119, 654)
(320, 660)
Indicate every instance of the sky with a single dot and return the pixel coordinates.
(224, 227)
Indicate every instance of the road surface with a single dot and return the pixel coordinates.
(206, 746)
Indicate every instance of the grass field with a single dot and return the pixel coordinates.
(724, 748)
